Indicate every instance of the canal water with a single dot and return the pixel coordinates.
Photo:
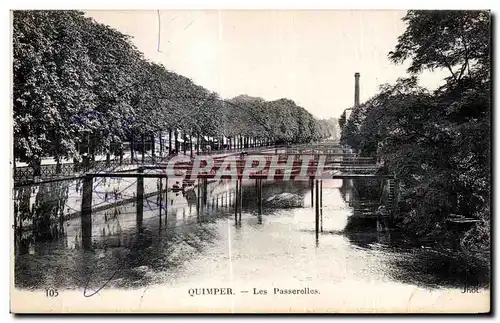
(183, 246)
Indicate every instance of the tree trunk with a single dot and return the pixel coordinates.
(169, 141)
(191, 144)
(92, 148)
(153, 145)
(87, 148)
(198, 144)
(143, 148)
(184, 138)
(161, 144)
(108, 159)
(58, 165)
(176, 136)
(132, 149)
(36, 164)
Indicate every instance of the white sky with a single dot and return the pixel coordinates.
(307, 56)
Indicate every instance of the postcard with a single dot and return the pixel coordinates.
(251, 161)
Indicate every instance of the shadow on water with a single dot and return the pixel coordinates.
(412, 262)
(120, 250)
(409, 260)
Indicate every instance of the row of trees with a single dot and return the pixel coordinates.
(81, 86)
(436, 142)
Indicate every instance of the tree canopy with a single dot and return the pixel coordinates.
(78, 82)
(436, 142)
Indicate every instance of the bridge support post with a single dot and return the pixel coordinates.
(198, 190)
(86, 212)
(317, 209)
(257, 192)
(321, 203)
(161, 196)
(312, 191)
(260, 195)
(236, 202)
(166, 197)
(140, 197)
(205, 184)
(241, 198)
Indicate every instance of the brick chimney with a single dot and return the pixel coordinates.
(356, 89)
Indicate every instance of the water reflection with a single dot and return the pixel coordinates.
(173, 234)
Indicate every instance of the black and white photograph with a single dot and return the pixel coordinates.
(250, 161)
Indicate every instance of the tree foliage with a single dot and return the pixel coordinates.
(81, 86)
(454, 40)
(437, 143)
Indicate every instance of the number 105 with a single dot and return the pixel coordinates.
(51, 292)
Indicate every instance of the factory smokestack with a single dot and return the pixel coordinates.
(356, 89)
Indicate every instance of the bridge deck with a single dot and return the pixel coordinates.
(240, 176)
(336, 159)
